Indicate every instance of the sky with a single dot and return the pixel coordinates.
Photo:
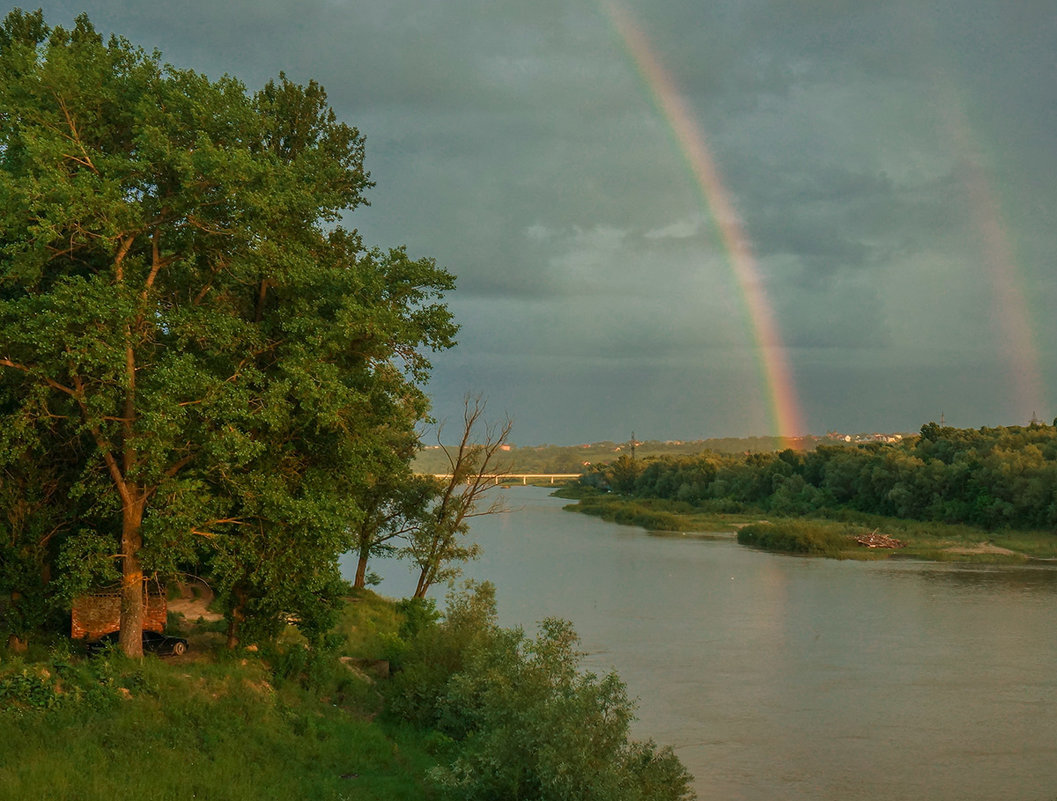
(690, 219)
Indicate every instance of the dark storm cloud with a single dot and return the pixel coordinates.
(889, 164)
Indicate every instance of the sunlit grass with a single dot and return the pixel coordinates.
(214, 725)
(925, 540)
(368, 621)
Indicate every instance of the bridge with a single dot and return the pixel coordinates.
(507, 478)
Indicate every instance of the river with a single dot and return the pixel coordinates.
(778, 677)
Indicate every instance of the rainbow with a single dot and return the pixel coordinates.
(776, 374)
(1011, 311)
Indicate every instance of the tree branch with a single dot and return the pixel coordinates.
(119, 258)
(51, 383)
(74, 136)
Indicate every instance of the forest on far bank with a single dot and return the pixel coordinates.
(1002, 477)
(579, 458)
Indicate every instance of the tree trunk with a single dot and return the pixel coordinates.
(233, 632)
(423, 583)
(361, 568)
(237, 616)
(14, 642)
(133, 608)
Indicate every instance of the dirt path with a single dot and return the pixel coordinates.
(193, 602)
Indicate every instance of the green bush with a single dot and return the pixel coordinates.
(532, 725)
(29, 688)
(635, 513)
(794, 536)
(437, 652)
(520, 718)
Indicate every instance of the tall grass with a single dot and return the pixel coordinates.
(646, 514)
(796, 536)
(830, 532)
(214, 727)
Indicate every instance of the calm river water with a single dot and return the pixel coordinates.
(778, 677)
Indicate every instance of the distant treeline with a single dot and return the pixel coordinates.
(578, 458)
(991, 477)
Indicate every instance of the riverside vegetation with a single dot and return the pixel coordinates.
(203, 373)
(472, 711)
(986, 495)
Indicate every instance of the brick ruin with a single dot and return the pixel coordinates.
(99, 613)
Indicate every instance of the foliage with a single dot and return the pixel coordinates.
(429, 659)
(533, 726)
(103, 728)
(394, 504)
(994, 478)
(200, 366)
(524, 720)
(795, 536)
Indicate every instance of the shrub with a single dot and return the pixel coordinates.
(794, 536)
(634, 513)
(532, 725)
(436, 653)
(521, 718)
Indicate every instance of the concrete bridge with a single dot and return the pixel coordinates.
(508, 478)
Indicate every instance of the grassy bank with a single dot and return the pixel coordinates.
(655, 515)
(833, 536)
(209, 725)
(472, 711)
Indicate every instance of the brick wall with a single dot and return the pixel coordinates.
(100, 613)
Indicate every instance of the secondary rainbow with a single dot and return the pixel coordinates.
(776, 373)
(1011, 309)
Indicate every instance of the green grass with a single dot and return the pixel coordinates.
(797, 536)
(649, 515)
(832, 534)
(219, 726)
(368, 622)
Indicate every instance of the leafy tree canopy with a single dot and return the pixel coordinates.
(992, 477)
(197, 361)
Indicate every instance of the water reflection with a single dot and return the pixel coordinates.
(792, 678)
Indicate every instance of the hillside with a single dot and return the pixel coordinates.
(399, 704)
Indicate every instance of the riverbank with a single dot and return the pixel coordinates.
(833, 537)
(396, 702)
(229, 726)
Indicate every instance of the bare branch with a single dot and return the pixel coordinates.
(474, 471)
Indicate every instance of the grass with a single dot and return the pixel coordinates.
(659, 515)
(797, 536)
(368, 622)
(831, 534)
(211, 726)
(647, 514)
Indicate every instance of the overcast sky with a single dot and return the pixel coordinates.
(892, 167)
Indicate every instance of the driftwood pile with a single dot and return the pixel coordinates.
(875, 540)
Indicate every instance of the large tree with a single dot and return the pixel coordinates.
(177, 296)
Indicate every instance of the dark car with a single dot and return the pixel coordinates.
(153, 642)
